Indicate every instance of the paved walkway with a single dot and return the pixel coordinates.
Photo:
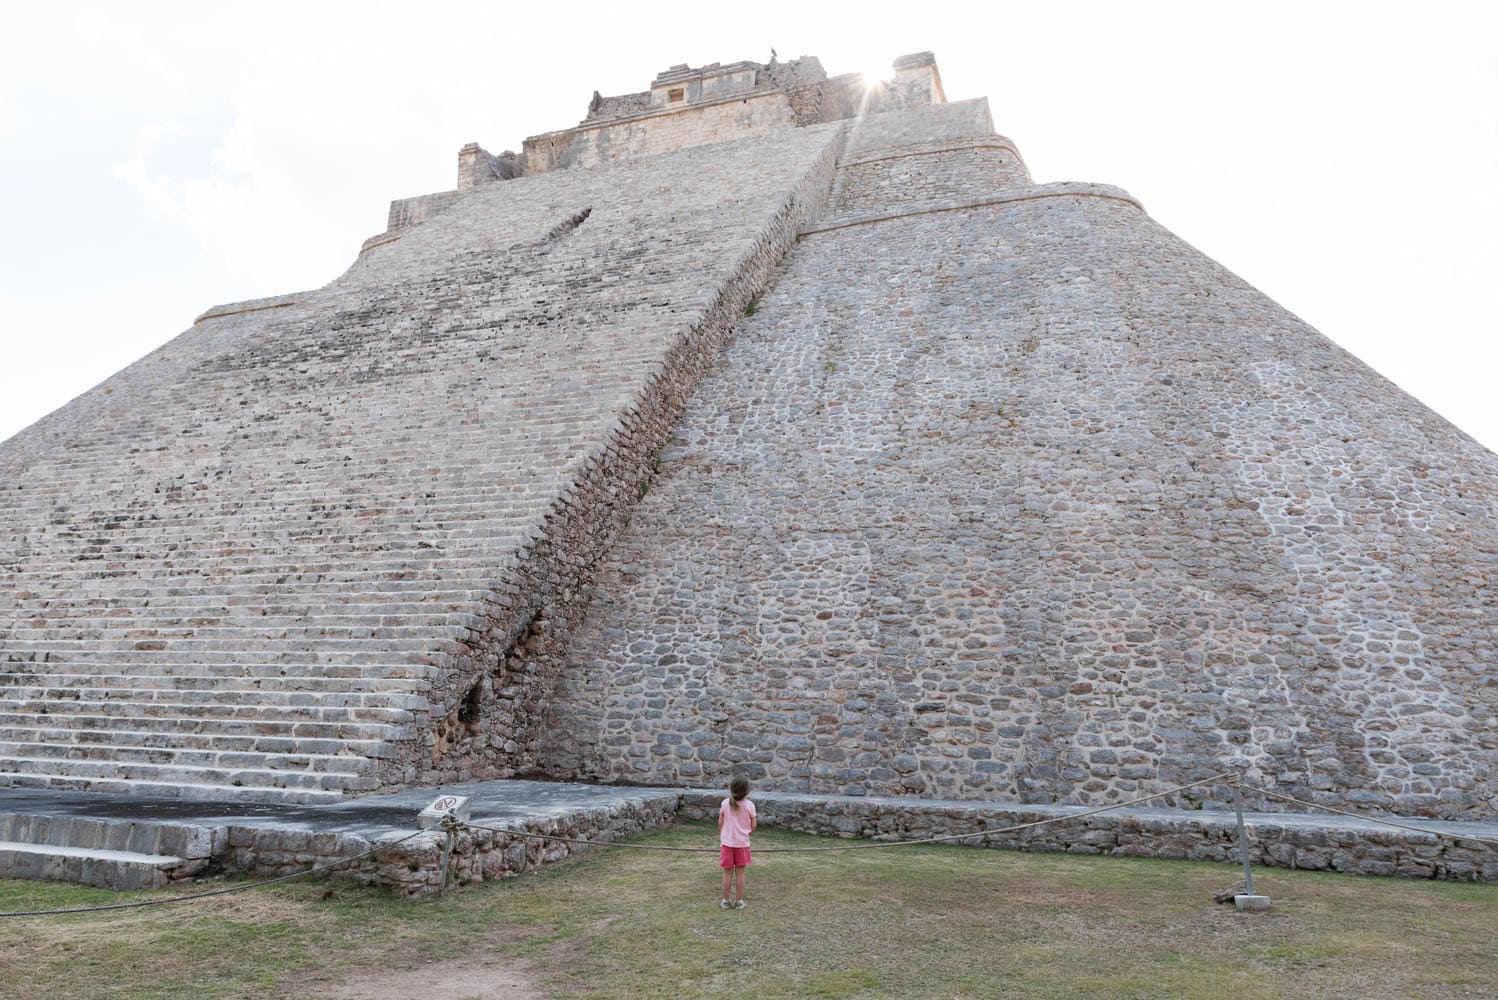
(366, 817)
(515, 800)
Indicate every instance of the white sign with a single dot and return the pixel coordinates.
(459, 806)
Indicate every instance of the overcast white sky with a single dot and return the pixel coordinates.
(158, 158)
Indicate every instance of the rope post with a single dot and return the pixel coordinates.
(449, 824)
(1248, 899)
(1248, 872)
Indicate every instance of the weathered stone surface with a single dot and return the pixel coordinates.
(1000, 491)
(1027, 491)
(316, 544)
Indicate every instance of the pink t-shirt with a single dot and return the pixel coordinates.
(736, 822)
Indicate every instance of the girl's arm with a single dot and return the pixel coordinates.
(720, 819)
(754, 822)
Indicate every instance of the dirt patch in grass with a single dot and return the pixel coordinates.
(455, 979)
(489, 965)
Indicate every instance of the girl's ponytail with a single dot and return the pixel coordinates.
(737, 789)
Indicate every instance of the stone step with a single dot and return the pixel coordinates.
(170, 495)
(146, 605)
(208, 742)
(292, 701)
(122, 768)
(232, 761)
(271, 567)
(234, 594)
(168, 788)
(140, 836)
(252, 584)
(236, 641)
(42, 668)
(279, 514)
(209, 532)
(52, 670)
(204, 545)
(259, 628)
(57, 623)
(164, 726)
(87, 865)
(373, 655)
(15, 685)
(162, 708)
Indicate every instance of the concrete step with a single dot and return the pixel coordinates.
(88, 865)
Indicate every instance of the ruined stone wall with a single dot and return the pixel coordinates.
(934, 156)
(1033, 501)
(311, 545)
(651, 134)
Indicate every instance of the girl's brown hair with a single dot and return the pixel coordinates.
(738, 788)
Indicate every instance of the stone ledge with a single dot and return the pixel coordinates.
(278, 840)
(1061, 189)
(1277, 840)
(249, 306)
(87, 866)
(934, 148)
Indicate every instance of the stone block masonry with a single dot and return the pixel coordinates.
(317, 544)
(999, 491)
(513, 819)
(1018, 496)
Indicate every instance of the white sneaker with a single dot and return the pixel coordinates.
(739, 905)
(726, 904)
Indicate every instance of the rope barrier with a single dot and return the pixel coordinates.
(142, 903)
(452, 826)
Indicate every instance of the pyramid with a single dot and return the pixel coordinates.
(766, 423)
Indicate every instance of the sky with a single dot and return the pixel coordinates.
(157, 159)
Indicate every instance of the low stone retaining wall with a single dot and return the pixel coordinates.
(101, 841)
(1279, 840)
(415, 867)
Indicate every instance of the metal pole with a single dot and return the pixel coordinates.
(1248, 875)
(450, 825)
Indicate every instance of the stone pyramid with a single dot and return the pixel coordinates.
(762, 422)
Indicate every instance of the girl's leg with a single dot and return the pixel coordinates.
(741, 873)
(727, 883)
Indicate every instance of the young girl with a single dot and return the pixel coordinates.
(737, 819)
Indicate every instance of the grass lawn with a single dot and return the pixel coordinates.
(905, 922)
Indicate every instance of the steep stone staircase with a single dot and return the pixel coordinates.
(265, 561)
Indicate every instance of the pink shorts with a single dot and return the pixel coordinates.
(733, 857)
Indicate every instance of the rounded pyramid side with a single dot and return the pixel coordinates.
(1031, 499)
